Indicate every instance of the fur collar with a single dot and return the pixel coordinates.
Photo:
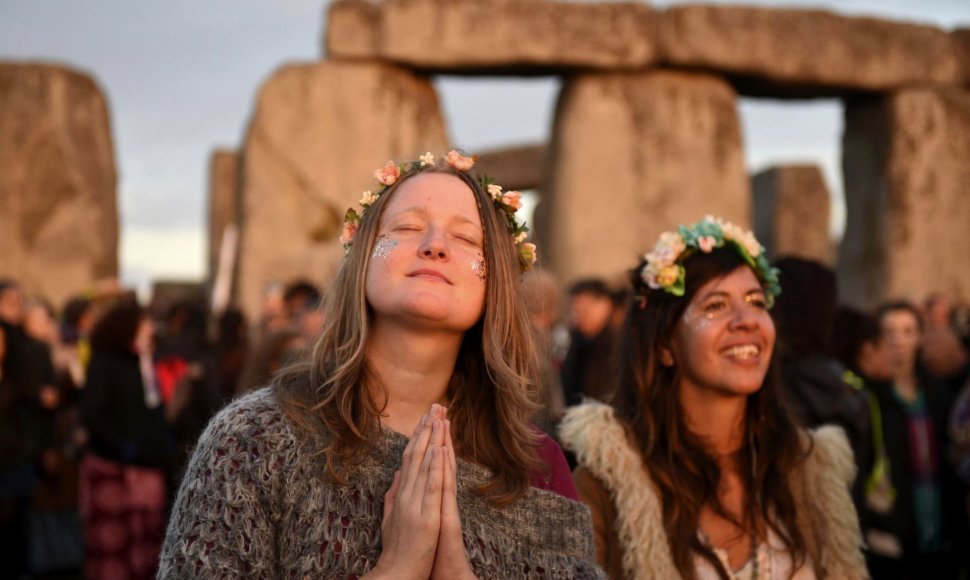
(826, 514)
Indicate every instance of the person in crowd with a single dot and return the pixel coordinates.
(18, 455)
(943, 353)
(920, 528)
(231, 351)
(425, 335)
(540, 288)
(300, 296)
(812, 378)
(696, 470)
(590, 340)
(130, 449)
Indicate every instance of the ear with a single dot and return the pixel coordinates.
(666, 357)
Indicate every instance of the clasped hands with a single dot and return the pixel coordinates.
(421, 530)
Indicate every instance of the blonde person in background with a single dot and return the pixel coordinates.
(403, 446)
(697, 471)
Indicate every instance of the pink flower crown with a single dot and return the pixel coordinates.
(507, 201)
(663, 269)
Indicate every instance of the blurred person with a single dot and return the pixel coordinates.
(920, 529)
(696, 470)
(130, 449)
(18, 454)
(77, 320)
(231, 351)
(942, 352)
(299, 296)
(814, 385)
(543, 301)
(584, 370)
(11, 321)
(425, 335)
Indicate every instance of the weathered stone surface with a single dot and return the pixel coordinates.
(634, 155)
(961, 38)
(493, 35)
(791, 213)
(906, 160)
(521, 167)
(224, 200)
(58, 206)
(318, 133)
(806, 51)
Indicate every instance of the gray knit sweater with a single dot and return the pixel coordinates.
(252, 505)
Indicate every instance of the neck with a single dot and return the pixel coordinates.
(412, 371)
(717, 420)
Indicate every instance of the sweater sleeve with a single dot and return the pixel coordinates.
(224, 523)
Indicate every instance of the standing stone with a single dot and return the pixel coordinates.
(633, 155)
(521, 167)
(223, 200)
(494, 35)
(318, 133)
(791, 213)
(58, 206)
(906, 160)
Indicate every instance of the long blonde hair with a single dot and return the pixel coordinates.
(492, 390)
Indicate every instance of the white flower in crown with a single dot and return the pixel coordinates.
(427, 160)
(521, 237)
(368, 198)
(495, 190)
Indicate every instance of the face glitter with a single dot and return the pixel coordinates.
(383, 246)
(478, 267)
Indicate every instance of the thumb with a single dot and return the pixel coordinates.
(391, 494)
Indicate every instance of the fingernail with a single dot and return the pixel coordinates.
(424, 419)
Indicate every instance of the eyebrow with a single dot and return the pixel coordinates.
(722, 293)
(422, 210)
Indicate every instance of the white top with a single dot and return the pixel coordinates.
(773, 563)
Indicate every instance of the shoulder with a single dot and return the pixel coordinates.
(829, 454)
(251, 429)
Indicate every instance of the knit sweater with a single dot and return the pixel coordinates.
(254, 503)
(628, 515)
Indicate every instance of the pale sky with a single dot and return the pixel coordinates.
(181, 77)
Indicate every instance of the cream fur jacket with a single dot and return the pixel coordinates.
(631, 541)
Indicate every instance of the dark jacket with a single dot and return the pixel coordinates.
(900, 520)
(120, 425)
(818, 395)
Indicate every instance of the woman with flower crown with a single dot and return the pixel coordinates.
(402, 446)
(696, 470)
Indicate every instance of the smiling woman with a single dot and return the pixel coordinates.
(697, 471)
(426, 335)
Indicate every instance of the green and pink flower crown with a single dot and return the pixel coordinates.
(507, 201)
(664, 270)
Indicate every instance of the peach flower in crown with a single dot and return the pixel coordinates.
(506, 201)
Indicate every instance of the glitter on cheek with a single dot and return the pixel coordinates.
(697, 319)
(478, 267)
(384, 246)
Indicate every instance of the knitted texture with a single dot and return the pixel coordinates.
(825, 513)
(254, 504)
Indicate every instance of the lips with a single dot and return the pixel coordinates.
(431, 274)
(742, 351)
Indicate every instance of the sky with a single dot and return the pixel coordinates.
(181, 77)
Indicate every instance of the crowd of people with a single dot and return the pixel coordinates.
(444, 409)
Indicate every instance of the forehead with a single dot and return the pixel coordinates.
(899, 318)
(439, 195)
(740, 280)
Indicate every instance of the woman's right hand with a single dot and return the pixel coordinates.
(412, 506)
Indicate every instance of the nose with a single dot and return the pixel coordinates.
(745, 317)
(434, 246)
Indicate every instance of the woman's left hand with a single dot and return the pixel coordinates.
(450, 559)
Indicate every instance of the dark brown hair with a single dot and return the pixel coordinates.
(492, 390)
(683, 469)
(115, 331)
